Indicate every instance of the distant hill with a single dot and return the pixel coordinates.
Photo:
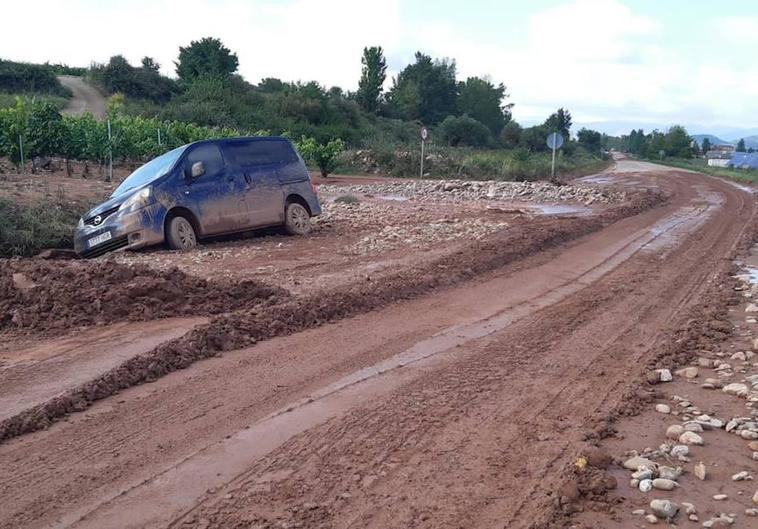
(751, 142)
(715, 140)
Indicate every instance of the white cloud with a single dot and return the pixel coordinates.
(599, 58)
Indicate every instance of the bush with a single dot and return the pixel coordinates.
(27, 229)
(324, 155)
(118, 76)
(464, 131)
(18, 77)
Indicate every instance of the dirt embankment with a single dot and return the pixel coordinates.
(248, 326)
(43, 296)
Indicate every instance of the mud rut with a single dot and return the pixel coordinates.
(481, 435)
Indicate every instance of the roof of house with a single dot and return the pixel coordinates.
(744, 159)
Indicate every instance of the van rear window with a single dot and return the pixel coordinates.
(260, 152)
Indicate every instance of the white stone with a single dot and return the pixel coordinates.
(690, 438)
(664, 508)
(662, 408)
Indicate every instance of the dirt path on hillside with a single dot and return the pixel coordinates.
(86, 98)
(461, 408)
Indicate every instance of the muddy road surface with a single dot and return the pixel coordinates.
(466, 404)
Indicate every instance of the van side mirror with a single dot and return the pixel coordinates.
(197, 170)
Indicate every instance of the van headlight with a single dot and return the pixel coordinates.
(138, 200)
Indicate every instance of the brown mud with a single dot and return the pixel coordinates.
(244, 327)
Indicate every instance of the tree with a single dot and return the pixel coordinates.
(483, 101)
(464, 131)
(373, 74)
(677, 142)
(534, 138)
(559, 121)
(205, 58)
(510, 136)
(741, 145)
(706, 145)
(324, 155)
(148, 63)
(425, 90)
(590, 139)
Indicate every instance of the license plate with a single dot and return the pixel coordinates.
(94, 241)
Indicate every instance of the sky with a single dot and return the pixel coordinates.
(615, 64)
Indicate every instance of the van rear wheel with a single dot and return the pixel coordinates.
(297, 220)
(180, 235)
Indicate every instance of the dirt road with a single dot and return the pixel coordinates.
(463, 407)
(86, 98)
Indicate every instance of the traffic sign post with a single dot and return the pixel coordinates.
(554, 141)
(424, 137)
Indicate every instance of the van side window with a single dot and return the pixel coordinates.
(252, 153)
(210, 155)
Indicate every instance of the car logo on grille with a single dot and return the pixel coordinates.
(97, 220)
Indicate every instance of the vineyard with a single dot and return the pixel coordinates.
(34, 128)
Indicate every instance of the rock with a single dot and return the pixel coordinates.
(636, 462)
(638, 512)
(736, 388)
(751, 512)
(748, 435)
(704, 362)
(752, 307)
(753, 445)
(674, 431)
(646, 485)
(662, 408)
(693, 518)
(688, 372)
(666, 509)
(720, 497)
(689, 508)
(754, 344)
(700, 471)
(680, 451)
(651, 519)
(755, 497)
(664, 484)
(690, 426)
(643, 473)
(690, 438)
(712, 383)
(664, 375)
(739, 355)
(740, 476)
(669, 473)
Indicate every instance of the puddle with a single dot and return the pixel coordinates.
(394, 198)
(598, 179)
(559, 209)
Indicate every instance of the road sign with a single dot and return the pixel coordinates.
(555, 140)
(424, 137)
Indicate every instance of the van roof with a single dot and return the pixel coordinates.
(241, 138)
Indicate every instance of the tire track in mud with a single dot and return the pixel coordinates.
(473, 396)
(245, 327)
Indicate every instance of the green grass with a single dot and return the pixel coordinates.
(26, 229)
(700, 165)
(8, 100)
(460, 162)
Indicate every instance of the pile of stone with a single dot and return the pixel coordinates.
(472, 190)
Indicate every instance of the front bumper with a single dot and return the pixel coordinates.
(120, 231)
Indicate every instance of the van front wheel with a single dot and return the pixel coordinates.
(180, 235)
(297, 221)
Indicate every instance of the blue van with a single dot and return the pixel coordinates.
(206, 188)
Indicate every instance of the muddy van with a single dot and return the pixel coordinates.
(203, 189)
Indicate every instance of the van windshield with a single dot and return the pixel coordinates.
(150, 172)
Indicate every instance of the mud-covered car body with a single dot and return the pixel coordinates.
(246, 183)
